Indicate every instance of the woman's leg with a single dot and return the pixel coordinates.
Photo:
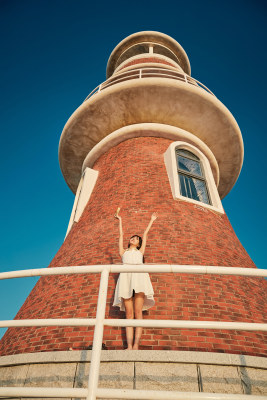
(129, 310)
(138, 313)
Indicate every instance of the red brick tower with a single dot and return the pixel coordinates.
(150, 138)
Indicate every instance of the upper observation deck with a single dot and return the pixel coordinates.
(148, 45)
(151, 88)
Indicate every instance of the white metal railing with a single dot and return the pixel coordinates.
(146, 72)
(121, 394)
(99, 322)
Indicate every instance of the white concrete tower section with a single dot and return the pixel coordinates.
(149, 92)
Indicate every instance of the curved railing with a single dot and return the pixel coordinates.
(147, 72)
(93, 391)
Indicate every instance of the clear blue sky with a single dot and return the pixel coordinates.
(53, 53)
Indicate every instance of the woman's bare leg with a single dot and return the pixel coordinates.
(138, 313)
(129, 310)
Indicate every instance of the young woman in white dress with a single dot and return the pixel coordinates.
(134, 291)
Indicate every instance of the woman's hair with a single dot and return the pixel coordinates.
(140, 241)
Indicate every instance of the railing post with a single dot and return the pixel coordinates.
(98, 336)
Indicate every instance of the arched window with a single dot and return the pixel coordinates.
(191, 176)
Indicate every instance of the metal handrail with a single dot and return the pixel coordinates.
(99, 322)
(150, 268)
(145, 323)
(121, 394)
(140, 73)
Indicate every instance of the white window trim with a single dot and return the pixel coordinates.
(171, 166)
(83, 194)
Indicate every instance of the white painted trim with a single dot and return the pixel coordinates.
(83, 194)
(74, 206)
(171, 166)
(89, 181)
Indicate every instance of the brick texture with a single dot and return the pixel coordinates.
(132, 175)
(147, 60)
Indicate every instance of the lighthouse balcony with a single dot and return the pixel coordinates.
(148, 72)
(152, 95)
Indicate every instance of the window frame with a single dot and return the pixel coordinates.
(201, 178)
(171, 163)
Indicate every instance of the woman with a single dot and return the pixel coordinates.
(134, 292)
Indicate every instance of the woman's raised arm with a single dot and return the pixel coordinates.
(121, 249)
(154, 216)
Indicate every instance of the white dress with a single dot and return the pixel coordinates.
(136, 281)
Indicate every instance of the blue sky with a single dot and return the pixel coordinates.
(53, 53)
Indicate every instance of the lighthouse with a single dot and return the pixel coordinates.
(151, 138)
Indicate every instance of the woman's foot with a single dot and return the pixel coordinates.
(135, 346)
(129, 348)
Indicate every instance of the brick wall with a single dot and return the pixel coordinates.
(132, 175)
(147, 60)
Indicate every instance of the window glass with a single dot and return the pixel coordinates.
(190, 166)
(191, 176)
(140, 48)
(193, 188)
(187, 153)
(164, 51)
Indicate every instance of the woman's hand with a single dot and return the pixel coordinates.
(152, 219)
(154, 216)
(116, 215)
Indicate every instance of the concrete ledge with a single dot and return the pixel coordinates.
(152, 100)
(154, 370)
(159, 356)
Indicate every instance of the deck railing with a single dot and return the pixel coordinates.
(93, 392)
(140, 73)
